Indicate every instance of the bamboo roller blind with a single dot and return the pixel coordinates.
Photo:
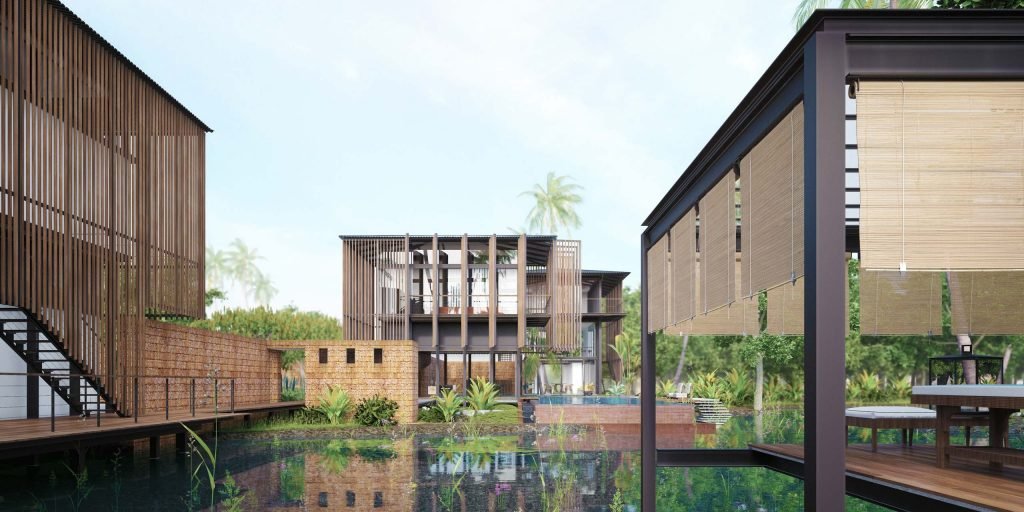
(738, 318)
(657, 285)
(772, 207)
(786, 308)
(941, 175)
(718, 244)
(684, 268)
(893, 303)
(986, 302)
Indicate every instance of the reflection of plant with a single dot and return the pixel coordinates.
(234, 497)
(482, 395)
(377, 411)
(82, 487)
(448, 493)
(617, 504)
(293, 479)
(334, 404)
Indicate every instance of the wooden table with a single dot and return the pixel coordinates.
(1001, 401)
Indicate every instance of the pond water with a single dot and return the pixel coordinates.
(544, 471)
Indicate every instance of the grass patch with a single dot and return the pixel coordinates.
(306, 419)
(503, 414)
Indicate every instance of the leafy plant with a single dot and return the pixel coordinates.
(447, 404)
(900, 388)
(737, 389)
(615, 388)
(82, 487)
(531, 364)
(376, 411)
(234, 496)
(429, 415)
(334, 404)
(482, 394)
(708, 385)
(293, 395)
(664, 388)
(207, 461)
(627, 346)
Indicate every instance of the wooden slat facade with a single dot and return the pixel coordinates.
(101, 190)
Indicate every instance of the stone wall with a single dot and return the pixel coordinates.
(181, 354)
(394, 377)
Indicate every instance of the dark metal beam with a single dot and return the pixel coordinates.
(648, 418)
(825, 266)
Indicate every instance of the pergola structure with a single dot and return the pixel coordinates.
(897, 135)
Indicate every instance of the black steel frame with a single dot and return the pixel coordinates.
(833, 49)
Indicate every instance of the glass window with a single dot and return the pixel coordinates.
(479, 291)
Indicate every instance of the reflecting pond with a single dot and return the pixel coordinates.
(548, 470)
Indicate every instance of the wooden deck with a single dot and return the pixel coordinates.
(969, 482)
(33, 436)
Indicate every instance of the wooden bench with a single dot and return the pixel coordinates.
(906, 419)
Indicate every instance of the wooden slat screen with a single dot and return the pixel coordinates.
(894, 303)
(567, 295)
(772, 207)
(101, 192)
(657, 285)
(375, 277)
(987, 302)
(739, 318)
(941, 175)
(683, 269)
(786, 309)
(717, 244)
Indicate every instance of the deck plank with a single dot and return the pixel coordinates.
(967, 481)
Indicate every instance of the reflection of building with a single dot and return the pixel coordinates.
(481, 306)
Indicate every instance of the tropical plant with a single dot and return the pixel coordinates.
(448, 403)
(807, 7)
(263, 289)
(233, 495)
(217, 268)
(241, 260)
(627, 347)
(737, 388)
(334, 403)
(207, 460)
(664, 387)
(708, 385)
(864, 387)
(615, 388)
(376, 411)
(531, 364)
(482, 394)
(555, 202)
(900, 388)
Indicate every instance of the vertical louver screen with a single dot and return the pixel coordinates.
(684, 268)
(772, 207)
(894, 303)
(657, 285)
(987, 302)
(739, 318)
(941, 175)
(718, 244)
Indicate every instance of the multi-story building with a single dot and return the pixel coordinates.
(516, 309)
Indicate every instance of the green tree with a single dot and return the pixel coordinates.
(807, 7)
(263, 289)
(216, 268)
(555, 202)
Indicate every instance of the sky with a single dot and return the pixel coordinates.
(392, 117)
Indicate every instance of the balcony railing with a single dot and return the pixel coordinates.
(538, 304)
(602, 305)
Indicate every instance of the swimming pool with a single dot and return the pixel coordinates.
(594, 400)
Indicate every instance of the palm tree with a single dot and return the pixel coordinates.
(807, 7)
(242, 262)
(554, 205)
(216, 268)
(263, 289)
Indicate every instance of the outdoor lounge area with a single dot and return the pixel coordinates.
(869, 186)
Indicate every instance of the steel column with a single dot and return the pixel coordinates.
(825, 266)
(648, 446)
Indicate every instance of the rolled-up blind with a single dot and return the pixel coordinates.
(941, 175)
(893, 303)
(684, 268)
(657, 285)
(986, 302)
(772, 207)
(786, 309)
(738, 318)
(718, 244)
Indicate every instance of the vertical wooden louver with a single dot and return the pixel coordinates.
(657, 285)
(567, 295)
(894, 303)
(375, 277)
(718, 244)
(772, 207)
(683, 269)
(987, 302)
(101, 192)
(941, 175)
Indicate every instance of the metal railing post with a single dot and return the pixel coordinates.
(99, 410)
(232, 395)
(53, 417)
(167, 398)
(135, 404)
(192, 398)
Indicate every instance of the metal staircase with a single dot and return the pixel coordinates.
(46, 356)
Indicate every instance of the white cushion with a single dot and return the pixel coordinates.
(890, 411)
(985, 390)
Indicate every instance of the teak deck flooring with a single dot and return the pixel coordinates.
(964, 481)
(27, 430)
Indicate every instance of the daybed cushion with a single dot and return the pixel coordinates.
(986, 390)
(890, 412)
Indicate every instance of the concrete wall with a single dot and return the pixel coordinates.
(394, 377)
(186, 352)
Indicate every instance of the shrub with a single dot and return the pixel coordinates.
(900, 388)
(482, 395)
(707, 385)
(447, 404)
(376, 411)
(864, 387)
(664, 387)
(617, 388)
(429, 415)
(334, 404)
(737, 389)
(293, 395)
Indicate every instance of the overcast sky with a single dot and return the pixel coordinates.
(421, 117)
